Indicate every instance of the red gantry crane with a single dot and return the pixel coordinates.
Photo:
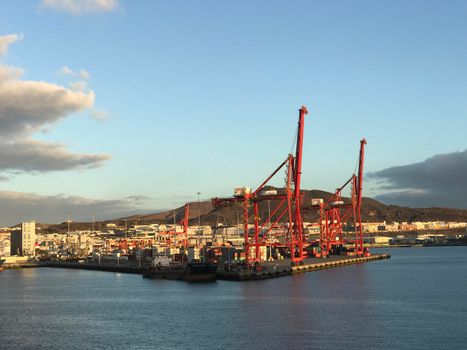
(335, 213)
(287, 208)
(176, 241)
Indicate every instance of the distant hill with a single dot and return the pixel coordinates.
(372, 211)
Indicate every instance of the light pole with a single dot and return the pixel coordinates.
(238, 228)
(270, 220)
(199, 222)
(68, 221)
(269, 211)
(199, 212)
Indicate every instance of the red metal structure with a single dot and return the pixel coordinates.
(287, 205)
(335, 213)
(184, 234)
(186, 217)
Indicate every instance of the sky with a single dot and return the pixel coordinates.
(114, 107)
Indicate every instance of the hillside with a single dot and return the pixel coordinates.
(372, 211)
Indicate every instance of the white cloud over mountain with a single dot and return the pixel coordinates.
(28, 107)
(19, 206)
(438, 181)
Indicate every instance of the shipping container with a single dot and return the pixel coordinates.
(317, 201)
(241, 191)
(268, 192)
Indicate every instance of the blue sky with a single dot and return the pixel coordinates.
(204, 95)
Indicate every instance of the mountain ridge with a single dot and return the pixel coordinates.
(372, 211)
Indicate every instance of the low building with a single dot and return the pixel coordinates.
(5, 243)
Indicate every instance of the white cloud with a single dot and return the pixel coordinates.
(28, 106)
(6, 40)
(80, 74)
(8, 73)
(137, 198)
(39, 156)
(83, 74)
(79, 86)
(81, 7)
(99, 114)
(65, 71)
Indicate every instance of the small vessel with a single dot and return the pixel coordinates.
(190, 272)
(199, 272)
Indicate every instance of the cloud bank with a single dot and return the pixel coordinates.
(20, 206)
(38, 156)
(27, 107)
(439, 181)
(81, 7)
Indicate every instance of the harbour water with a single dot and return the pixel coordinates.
(415, 300)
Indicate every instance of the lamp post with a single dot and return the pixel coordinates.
(68, 221)
(270, 219)
(199, 212)
(199, 222)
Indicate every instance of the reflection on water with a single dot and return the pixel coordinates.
(416, 300)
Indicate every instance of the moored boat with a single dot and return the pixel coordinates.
(190, 272)
(200, 272)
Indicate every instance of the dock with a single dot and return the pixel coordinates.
(266, 270)
(124, 268)
(332, 263)
(274, 269)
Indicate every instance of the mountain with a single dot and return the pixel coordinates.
(372, 211)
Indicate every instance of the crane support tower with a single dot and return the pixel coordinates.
(178, 241)
(335, 213)
(272, 231)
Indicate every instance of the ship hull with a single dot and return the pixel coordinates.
(190, 273)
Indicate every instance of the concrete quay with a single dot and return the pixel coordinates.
(268, 269)
(124, 268)
(336, 261)
(273, 270)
